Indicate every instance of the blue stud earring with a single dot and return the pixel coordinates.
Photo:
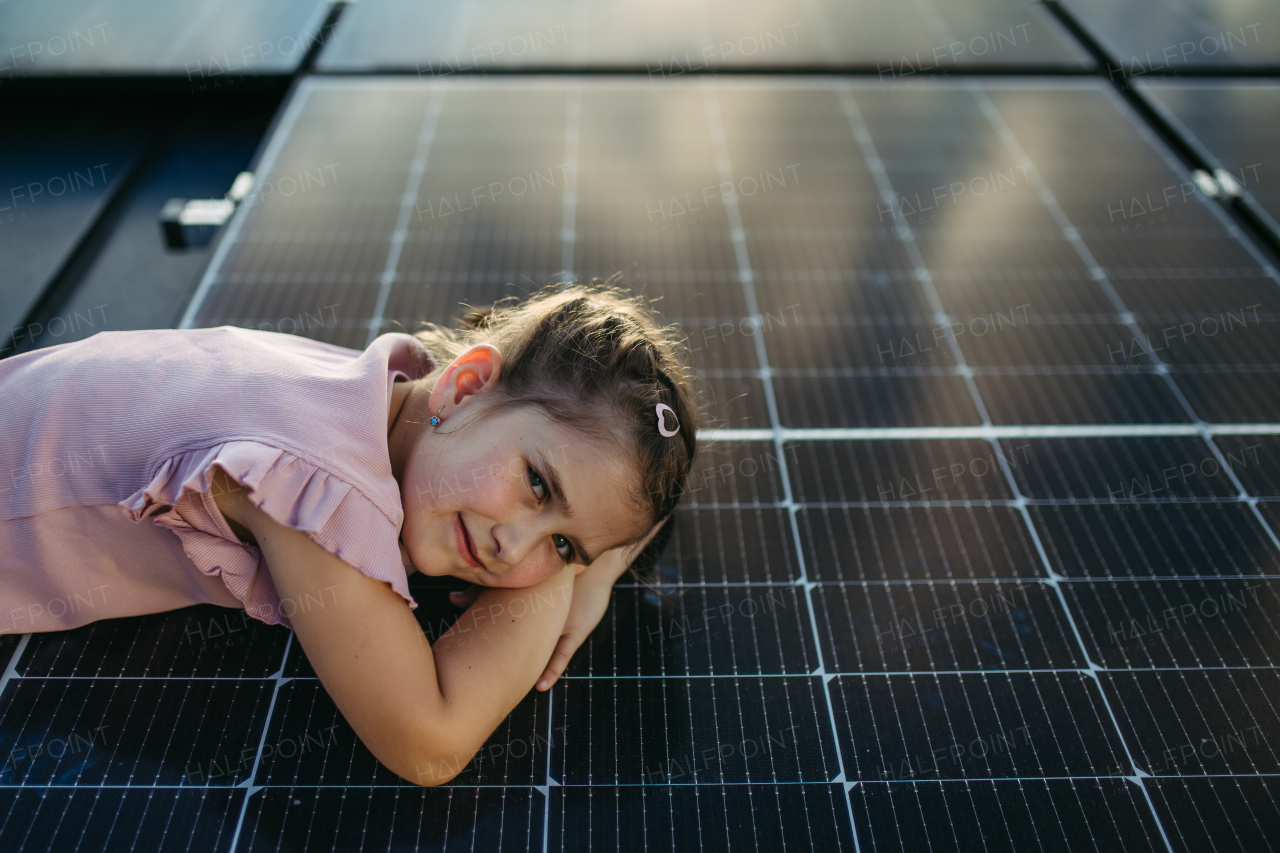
(435, 419)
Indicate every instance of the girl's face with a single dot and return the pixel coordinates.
(512, 498)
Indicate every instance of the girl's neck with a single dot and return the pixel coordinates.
(398, 426)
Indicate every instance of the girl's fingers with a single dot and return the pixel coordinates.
(465, 597)
(559, 660)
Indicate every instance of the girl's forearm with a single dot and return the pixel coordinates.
(488, 661)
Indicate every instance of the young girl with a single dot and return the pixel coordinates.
(532, 454)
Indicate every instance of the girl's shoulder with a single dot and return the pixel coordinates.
(141, 400)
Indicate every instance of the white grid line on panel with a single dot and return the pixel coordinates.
(987, 431)
(1072, 235)
(248, 784)
(874, 164)
(737, 233)
(666, 785)
(408, 201)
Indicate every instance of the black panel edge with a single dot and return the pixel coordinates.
(1188, 153)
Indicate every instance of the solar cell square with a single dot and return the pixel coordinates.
(1229, 397)
(1079, 398)
(1177, 623)
(1255, 460)
(724, 343)
(672, 631)
(989, 250)
(1202, 722)
(671, 731)
(1214, 342)
(1205, 249)
(1270, 513)
(1155, 540)
(1155, 299)
(341, 818)
(933, 543)
(140, 731)
(843, 290)
(1236, 813)
(857, 246)
(1006, 815)
(927, 626)
(901, 400)
(732, 402)
(730, 545)
(933, 727)
(1014, 341)
(738, 472)
(920, 470)
(197, 642)
(1018, 294)
(49, 818)
(1106, 470)
(758, 816)
(839, 342)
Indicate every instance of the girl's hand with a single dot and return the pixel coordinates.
(464, 598)
(591, 593)
(592, 589)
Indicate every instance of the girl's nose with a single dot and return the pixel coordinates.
(515, 542)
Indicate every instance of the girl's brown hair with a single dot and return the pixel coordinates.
(597, 360)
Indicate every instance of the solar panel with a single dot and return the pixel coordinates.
(1226, 121)
(58, 172)
(981, 555)
(1169, 37)
(670, 40)
(214, 43)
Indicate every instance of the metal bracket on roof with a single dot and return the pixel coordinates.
(188, 223)
(1218, 184)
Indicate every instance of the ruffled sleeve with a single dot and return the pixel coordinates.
(293, 491)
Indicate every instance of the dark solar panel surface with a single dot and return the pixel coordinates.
(670, 40)
(983, 556)
(1229, 123)
(1169, 37)
(205, 41)
(57, 173)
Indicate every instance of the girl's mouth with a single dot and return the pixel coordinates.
(465, 546)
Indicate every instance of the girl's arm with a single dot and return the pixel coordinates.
(592, 591)
(422, 711)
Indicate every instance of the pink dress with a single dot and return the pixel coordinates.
(106, 451)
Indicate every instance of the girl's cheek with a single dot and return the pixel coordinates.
(530, 573)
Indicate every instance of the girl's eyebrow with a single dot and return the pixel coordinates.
(552, 478)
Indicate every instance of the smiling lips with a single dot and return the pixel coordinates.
(465, 546)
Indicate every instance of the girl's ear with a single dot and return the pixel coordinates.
(476, 371)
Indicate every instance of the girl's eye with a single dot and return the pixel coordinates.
(563, 546)
(535, 482)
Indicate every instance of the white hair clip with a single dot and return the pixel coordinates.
(662, 426)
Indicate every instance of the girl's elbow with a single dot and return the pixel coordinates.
(431, 767)
(434, 757)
